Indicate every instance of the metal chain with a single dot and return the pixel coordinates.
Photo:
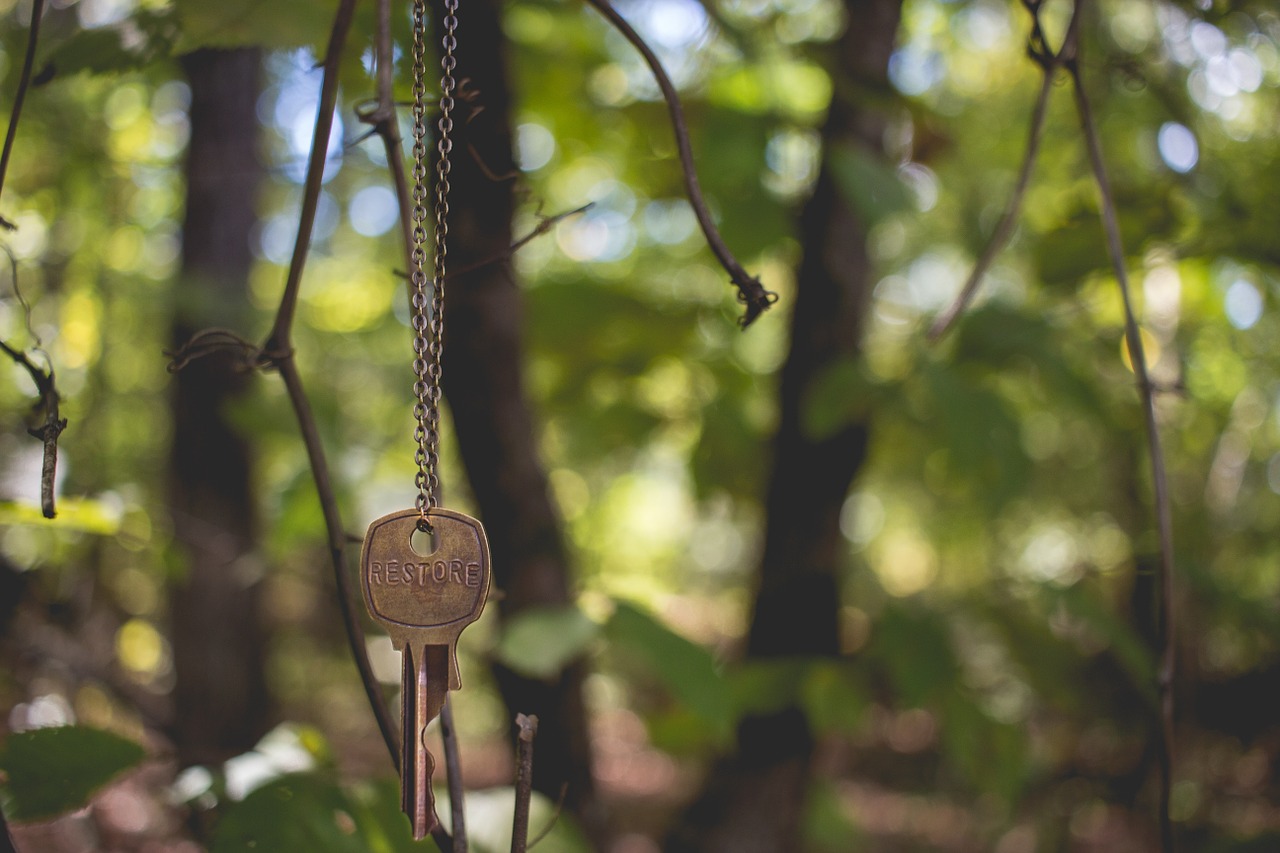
(428, 329)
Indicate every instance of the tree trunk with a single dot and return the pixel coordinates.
(220, 697)
(754, 800)
(484, 316)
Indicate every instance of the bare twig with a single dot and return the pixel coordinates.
(383, 122)
(528, 726)
(553, 819)
(24, 83)
(46, 386)
(1159, 476)
(288, 370)
(1067, 57)
(22, 300)
(441, 837)
(279, 346)
(278, 339)
(48, 432)
(1050, 63)
(751, 293)
(453, 777)
(1004, 230)
(545, 224)
(209, 341)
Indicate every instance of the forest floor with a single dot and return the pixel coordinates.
(644, 788)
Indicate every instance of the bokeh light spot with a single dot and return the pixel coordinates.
(1178, 147)
(1243, 304)
(535, 146)
(373, 211)
(140, 647)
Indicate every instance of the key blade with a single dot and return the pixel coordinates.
(424, 683)
(411, 749)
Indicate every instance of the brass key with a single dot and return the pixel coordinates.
(424, 602)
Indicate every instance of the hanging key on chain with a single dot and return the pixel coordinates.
(424, 600)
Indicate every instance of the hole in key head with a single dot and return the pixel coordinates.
(425, 539)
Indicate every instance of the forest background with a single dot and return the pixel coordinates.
(823, 583)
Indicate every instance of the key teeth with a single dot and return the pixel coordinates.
(424, 820)
(423, 697)
(427, 820)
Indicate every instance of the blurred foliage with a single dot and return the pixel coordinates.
(287, 794)
(53, 770)
(997, 605)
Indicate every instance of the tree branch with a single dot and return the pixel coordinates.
(751, 293)
(278, 348)
(45, 384)
(453, 777)
(288, 370)
(1159, 476)
(53, 426)
(1050, 63)
(24, 83)
(528, 726)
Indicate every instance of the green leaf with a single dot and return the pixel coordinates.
(991, 754)
(539, 643)
(841, 394)
(241, 23)
(1093, 611)
(88, 515)
(144, 38)
(913, 645)
(301, 812)
(685, 668)
(981, 434)
(829, 691)
(1072, 251)
(676, 730)
(833, 698)
(870, 185)
(55, 770)
(827, 827)
(383, 827)
(999, 335)
(766, 686)
(1077, 247)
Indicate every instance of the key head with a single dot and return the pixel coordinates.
(426, 599)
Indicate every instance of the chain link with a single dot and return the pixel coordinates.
(428, 326)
